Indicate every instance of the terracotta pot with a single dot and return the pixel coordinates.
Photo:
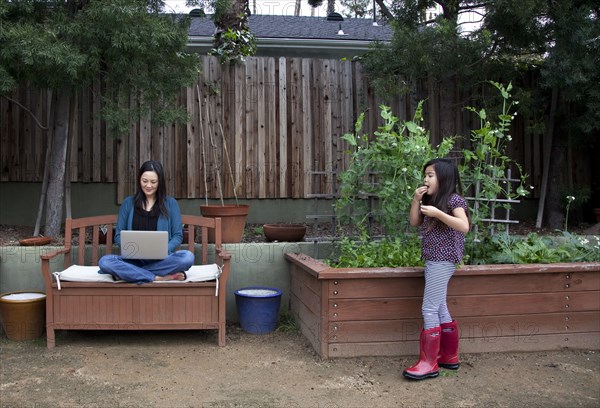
(23, 314)
(233, 220)
(284, 232)
(35, 241)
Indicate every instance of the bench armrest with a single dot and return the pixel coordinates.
(46, 258)
(53, 254)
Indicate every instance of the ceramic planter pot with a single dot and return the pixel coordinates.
(284, 232)
(233, 220)
(35, 241)
(23, 314)
(258, 308)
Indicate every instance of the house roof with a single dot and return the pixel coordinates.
(299, 36)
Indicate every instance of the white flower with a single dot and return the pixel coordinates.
(404, 169)
(570, 198)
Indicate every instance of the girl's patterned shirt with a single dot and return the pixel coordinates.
(442, 243)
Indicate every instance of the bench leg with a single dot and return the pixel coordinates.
(221, 340)
(50, 339)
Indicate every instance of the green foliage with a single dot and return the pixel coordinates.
(515, 36)
(137, 53)
(508, 249)
(486, 163)
(387, 166)
(235, 46)
(288, 323)
(403, 250)
(233, 41)
(221, 9)
(431, 53)
(356, 8)
(572, 62)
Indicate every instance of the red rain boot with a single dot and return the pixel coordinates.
(427, 366)
(448, 356)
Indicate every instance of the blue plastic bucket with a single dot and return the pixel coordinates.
(258, 308)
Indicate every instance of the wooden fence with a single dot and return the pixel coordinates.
(270, 128)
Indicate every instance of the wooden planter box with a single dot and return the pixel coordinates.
(377, 311)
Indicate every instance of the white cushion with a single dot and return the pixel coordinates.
(199, 273)
(79, 273)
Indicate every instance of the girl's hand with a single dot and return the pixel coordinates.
(420, 192)
(431, 211)
(415, 217)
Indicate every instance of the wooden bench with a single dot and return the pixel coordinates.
(130, 306)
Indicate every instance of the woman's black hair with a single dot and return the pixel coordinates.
(161, 192)
(446, 172)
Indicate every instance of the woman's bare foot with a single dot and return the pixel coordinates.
(177, 276)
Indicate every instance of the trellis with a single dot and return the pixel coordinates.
(496, 203)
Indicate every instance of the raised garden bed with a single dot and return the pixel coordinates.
(377, 311)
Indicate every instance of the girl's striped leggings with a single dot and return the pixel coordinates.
(434, 309)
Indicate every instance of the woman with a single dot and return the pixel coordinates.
(150, 209)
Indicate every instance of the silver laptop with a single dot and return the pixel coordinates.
(144, 244)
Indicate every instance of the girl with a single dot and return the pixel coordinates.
(438, 208)
(150, 209)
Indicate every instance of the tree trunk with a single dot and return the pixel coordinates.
(330, 6)
(557, 182)
(447, 108)
(235, 18)
(58, 158)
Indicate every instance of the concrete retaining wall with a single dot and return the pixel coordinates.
(252, 264)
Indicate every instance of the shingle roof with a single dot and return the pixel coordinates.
(299, 36)
(268, 26)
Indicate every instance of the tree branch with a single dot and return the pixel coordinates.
(385, 10)
(37, 122)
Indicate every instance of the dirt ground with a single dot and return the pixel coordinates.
(188, 369)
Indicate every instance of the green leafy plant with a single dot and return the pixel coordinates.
(391, 252)
(236, 45)
(485, 167)
(288, 322)
(387, 166)
(507, 249)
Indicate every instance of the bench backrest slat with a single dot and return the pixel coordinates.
(83, 225)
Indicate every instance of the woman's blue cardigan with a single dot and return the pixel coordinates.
(172, 223)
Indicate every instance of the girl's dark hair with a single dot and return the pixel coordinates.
(448, 178)
(161, 192)
(446, 172)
